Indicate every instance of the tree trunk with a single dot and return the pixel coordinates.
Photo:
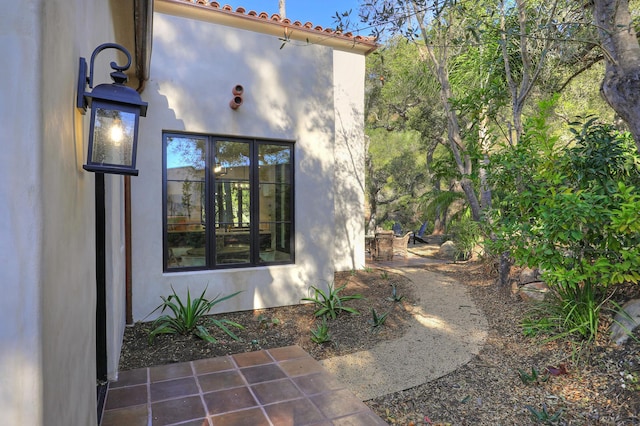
(485, 190)
(504, 269)
(621, 84)
(528, 72)
(483, 137)
(439, 68)
(467, 187)
(440, 218)
(372, 192)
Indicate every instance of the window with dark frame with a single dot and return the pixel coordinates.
(228, 202)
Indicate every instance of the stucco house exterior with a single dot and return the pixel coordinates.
(251, 161)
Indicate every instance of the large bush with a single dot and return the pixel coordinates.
(572, 211)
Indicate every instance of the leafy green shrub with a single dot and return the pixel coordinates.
(321, 333)
(331, 303)
(187, 315)
(573, 213)
(466, 234)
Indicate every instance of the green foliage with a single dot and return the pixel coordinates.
(267, 322)
(187, 315)
(466, 234)
(330, 302)
(567, 311)
(533, 378)
(186, 196)
(441, 201)
(536, 322)
(544, 416)
(377, 321)
(573, 213)
(396, 158)
(321, 333)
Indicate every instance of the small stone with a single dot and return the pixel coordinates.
(625, 321)
(448, 250)
(534, 292)
(528, 275)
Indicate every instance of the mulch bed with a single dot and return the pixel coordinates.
(598, 384)
(289, 325)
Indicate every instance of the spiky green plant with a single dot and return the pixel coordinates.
(321, 333)
(187, 315)
(534, 377)
(330, 303)
(544, 416)
(377, 321)
(395, 297)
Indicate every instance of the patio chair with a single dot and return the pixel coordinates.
(397, 229)
(382, 247)
(400, 244)
(418, 235)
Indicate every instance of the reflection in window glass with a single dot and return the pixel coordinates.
(232, 202)
(275, 202)
(185, 208)
(228, 202)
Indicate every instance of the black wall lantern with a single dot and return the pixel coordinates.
(115, 112)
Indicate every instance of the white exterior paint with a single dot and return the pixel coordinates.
(47, 217)
(289, 94)
(349, 152)
(47, 220)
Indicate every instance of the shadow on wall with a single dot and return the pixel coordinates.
(350, 174)
(288, 95)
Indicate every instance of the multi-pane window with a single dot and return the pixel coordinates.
(228, 202)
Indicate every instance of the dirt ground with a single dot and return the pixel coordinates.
(576, 385)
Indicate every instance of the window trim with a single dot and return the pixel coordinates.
(210, 182)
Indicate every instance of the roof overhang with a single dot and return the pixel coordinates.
(262, 23)
(133, 28)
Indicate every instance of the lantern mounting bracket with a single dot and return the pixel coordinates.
(118, 76)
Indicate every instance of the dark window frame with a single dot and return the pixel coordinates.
(210, 183)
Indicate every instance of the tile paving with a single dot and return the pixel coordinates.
(282, 386)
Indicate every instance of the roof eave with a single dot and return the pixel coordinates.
(286, 30)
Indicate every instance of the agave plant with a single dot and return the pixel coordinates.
(187, 315)
(377, 321)
(321, 333)
(331, 303)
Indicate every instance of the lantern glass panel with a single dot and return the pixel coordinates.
(113, 137)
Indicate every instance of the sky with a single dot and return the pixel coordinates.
(318, 12)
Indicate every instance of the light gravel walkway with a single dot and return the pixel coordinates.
(446, 331)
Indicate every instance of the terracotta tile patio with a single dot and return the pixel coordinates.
(282, 386)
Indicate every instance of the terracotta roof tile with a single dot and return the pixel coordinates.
(284, 22)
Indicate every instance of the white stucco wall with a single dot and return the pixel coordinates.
(288, 95)
(47, 220)
(349, 151)
(20, 218)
